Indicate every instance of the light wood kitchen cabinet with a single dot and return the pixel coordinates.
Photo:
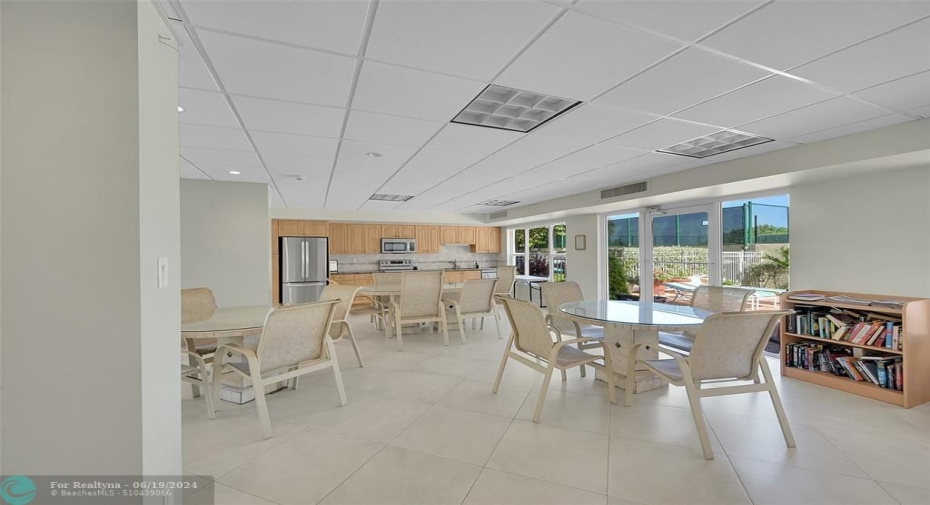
(452, 276)
(483, 241)
(356, 239)
(372, 239)
(355, 280)
(316, 228)
(448, 234)
(398, 231)
(428, 239)
(466, 235)
(470, 275)
(495, 239)
(434, 238)
(274, 237)
(290, 228)
(338, 238)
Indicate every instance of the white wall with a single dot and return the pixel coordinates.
(226, 240)
(583, 266)
(87, 347)
(866, 234)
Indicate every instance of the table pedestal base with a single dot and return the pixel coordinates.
(626, 338)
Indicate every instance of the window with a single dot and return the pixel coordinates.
(755, 244)
(539, 251)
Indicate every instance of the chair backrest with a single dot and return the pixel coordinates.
(387, 278)
(345, 294)
(197, 304)
(530, 331)
(729, 344)
(506, 276)
(294, 334)
(720, 298)
(420, 294)
(557, 293)
(477, 296)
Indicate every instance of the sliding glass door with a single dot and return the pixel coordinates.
(682, 256)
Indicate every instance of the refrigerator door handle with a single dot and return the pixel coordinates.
(303, 259)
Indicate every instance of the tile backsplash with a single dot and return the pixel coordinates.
(349, 263)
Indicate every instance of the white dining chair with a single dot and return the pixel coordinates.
(557, 293)
(345, 294)
(711, 299)
(197, 304)
(420, 302)
(476, 299)
(195, 372)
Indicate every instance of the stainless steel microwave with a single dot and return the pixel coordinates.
(398, 245)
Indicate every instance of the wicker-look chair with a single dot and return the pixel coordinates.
(294, 341)
(557, 293)
(506, 278)
(475, 300)
(195, 373)
(713, 299)
(345, 294)
(420, 302)
(727, 347)
(533, 336)
(197, 304)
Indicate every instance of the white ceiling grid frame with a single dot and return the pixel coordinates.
(849, 129)
(278, 116)
(213, 137)
(198, 155)
(899, 94)
(206, 108)
(662, 133)
(190, 171)
(192, 70)
(287, 164)
(389, 129)
(824, 115)
(591, 123)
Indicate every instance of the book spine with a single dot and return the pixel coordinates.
(889, 330)
(899, 376)
(882, 374)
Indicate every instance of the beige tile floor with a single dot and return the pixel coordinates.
(422, 427)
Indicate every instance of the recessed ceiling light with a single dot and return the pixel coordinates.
(391, 198)
(512, 109)
(373, 155)
(498, 203)
(234, 172)
(180, 109)
(715, 143)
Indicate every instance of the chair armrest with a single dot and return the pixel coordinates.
(238, 349)
(200, 361)
(563, 343)
(558, 334)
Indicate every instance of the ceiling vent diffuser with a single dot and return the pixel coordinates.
(512, 109)
(499, 215)
(715, 143)
(629, 189)
(391, 198)
(498, 203)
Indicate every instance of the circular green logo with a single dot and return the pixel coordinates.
(17, 490)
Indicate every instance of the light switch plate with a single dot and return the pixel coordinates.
(162, 273)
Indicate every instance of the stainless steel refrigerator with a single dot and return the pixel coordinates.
(304, 269)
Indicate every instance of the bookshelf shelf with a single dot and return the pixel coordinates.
(913, 356)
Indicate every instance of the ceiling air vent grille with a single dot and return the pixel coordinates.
(499, 215)
(629, 189)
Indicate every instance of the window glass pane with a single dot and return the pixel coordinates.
(756, 246)
(622, 255)
(539, 251)
(558, 238)
(519, 240)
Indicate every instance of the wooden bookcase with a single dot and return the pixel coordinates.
(915, 331)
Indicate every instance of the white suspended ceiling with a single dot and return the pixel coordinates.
(296, 94)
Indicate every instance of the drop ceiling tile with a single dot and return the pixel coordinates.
(662, 133)
(784, 34)
(527, 153)
(686, 20)
(192, 72)
(898, 54)
(820, 116)
(198, 156)
(590, 123)
(212, 137)
(438, 165)
(336, 26)
(307, 194)
(659, 90)
(472, 139)
(390, 154)
(297, 145)
(404, 186)
(454, 45)
(412, 93)
(289, 117)
(287, 164)
(578, 162)
(903, 94)
(849, 129)
(221, 173)
(276, 201)
(615, 172)
(580, 57)
(380, 205)
(205, 108)
(384, 129)
(921, 111)
(189, 171)
(762, 99)
(264, 69)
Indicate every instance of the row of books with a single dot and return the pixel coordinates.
(883, 371)
(863, 328)
(847, 300)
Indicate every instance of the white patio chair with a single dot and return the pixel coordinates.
(533, 336)
(712, 299)
(727, 347)
(294, 341)
(420, 302)
(197, 304)
(340, 328)
(557, 293)
(197, 375)
(476, 299)
(506, 278)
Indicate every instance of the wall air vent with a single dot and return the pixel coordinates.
(512, 109)
(715, 143)
(499, 215)
(629, 189)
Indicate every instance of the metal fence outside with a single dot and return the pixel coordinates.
(683, 262)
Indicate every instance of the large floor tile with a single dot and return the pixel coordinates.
(304, 470)
(450, 365)
(658, 423)
(906, 495)
(370, 418)
(358, 380)
(418, 387)
(772, 484)
(903, 460)
(582, 385)
(515, 373)
(406, 360)
(553, 454)
(230, 443)
(399, 476)
(454, 434)
(475, 396)
(218, 494)
(296, 406)
(495, 488)
(580, 412)
(657, 473)
(762, 440)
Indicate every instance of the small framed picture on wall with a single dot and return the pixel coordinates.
(580, 242)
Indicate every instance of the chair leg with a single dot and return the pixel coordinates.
(261, 405)
(400, 336)
(497, 323)
(218, 364)
(500, 370)
(445, 329)
(482, 322)
(776, 402)
(583, 373)
(192, 361)
(358, 353)
(564, 374)
(458, 317)
(698, 414)
(542, 392)
(611, 376)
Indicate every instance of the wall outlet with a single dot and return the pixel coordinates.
(162, 273)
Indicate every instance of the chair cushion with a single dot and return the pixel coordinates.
(680, 341)
(569, 356)
(667, 367)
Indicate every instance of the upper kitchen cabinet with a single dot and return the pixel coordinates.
(448, 234)
(372, 239)
(428, 239)
(467, 235)
(299, 228)
(495, 236)
(398, 231)
(357, 239)
(339, 238)
(489, 240)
